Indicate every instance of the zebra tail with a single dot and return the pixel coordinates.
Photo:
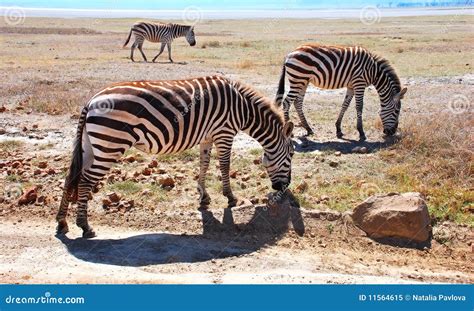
(72, 180)
(128, 38)
(281, 87)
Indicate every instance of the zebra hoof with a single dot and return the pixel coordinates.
(88, 234)
(62, 227)
(309, 133)
(362, 138)
(339, 134)
(232, 203)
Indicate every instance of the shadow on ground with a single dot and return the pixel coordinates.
(219, 239)
(303, 144)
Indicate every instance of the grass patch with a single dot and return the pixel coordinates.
(211, 44)
(11, 145)
(245, 64)
(435, 158)
(127, 187)
(184, 156)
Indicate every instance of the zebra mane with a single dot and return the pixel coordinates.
(258, 98)
(385, 67)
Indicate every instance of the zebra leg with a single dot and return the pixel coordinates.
(169, 52)
(62, 227)
(345, 105)
(359, 97)
(161, 51)
(132, 49)
(286, 108)
(141, 51)
(224, 146)
(299, 109)
(84, 192)
(205, 156)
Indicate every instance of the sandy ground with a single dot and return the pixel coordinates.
(259, 250)
(166, 240)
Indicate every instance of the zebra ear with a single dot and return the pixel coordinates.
(288, 129)
(402, 93)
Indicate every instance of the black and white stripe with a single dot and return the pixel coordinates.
(165, 117)
(334, 67)
(158, 32)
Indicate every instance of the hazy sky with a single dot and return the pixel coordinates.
(202, 4)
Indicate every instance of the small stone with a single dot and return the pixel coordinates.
(257, 161)
(130, 159)
(146, 171)
(106, 203)
(233, 174)
(263, 174)
(179, 176)
(254, 200)
(113, 197)
(166, 180)
(16, 164)
(333, 163)
(246, 178)
(160, 170)
(51, 171)
(324, 198)
(337, 153)
(42, 164)
(363, 150)
(302, 187)
(3, 109)
(28, 197)
(2, 131)
(41, 199)
(35, 126)
(153, 164)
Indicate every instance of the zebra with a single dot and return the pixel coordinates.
(165, 117)
(158, 32)
(334, 67)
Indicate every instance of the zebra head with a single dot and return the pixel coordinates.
(278, 162)
(190, 36)
(391, 111)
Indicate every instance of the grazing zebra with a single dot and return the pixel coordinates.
(158, 32)
(164, 117)
(334, 67)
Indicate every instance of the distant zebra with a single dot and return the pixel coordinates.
(158, 32)
(164, 117)
(334, 67)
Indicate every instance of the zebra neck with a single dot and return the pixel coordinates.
(265, 127)
(180, 31)
(386, 81)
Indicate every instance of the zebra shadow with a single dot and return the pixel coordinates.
(218, 240)
(346, 146)
(168, 62)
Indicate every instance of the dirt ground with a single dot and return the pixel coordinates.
(157, 235)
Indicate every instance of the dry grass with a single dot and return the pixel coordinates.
(211, 44)
(245, 64)
(435, 157)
